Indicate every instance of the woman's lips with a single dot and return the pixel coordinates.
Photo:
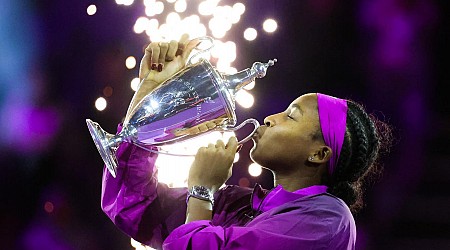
(257, 135)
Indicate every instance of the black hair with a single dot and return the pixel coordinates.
(366, 139)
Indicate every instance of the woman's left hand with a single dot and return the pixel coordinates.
(212, 166)
(160, 62)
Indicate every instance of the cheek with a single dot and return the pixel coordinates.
(276, 149)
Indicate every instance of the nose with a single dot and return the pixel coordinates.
(269, 121)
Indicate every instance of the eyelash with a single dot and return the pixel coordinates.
(290, 117)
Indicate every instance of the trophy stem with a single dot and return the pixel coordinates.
(106, 145)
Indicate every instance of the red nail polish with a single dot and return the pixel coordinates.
(160, 67)
(154, 66)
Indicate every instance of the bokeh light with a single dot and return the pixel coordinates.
(91, 10)
(135, 83)
(125, 2)
(49, 207)
(254, 169)
(130, 62)
(108, 91)
(244, 98)
(270, 25)
(250, 86)
(250, 34)
(180, 6)
(100, 104)
(236, 158)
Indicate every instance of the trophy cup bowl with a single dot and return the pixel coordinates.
(193, 96)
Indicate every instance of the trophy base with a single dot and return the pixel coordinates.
(101, 141)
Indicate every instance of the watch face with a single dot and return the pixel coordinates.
(201, 190)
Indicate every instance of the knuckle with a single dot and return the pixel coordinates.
(153, 45)
(164, 46)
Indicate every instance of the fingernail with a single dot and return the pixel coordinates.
(160, 67)
(154, 66)
(239, 147)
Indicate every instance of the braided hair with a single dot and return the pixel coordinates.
(365, 139)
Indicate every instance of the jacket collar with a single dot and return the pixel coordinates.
(263, 200)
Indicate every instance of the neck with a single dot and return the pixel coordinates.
(303, 178)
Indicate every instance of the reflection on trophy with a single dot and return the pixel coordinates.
(195, 95)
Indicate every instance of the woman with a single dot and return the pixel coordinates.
(320, 150)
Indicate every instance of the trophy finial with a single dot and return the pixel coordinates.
(258, 70)
(261, 68)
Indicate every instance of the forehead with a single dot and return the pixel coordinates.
(306, 101)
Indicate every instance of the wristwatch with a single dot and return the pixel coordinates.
(202, 193)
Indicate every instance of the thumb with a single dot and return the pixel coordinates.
(145, 62)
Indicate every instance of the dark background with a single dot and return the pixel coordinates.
(55, 60)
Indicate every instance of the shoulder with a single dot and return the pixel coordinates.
(333, 213)
(323, 211)
(328, 206)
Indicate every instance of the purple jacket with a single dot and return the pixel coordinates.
(243, 218)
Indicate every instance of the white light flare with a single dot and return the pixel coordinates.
(244, 99)
(180, 6)
(152, 28)
(173, 18)
(236, 158)
(91, 10)
(250, 34)
(250, 86)
(125, 2)
(207, 8)
(100, 104)
(139, 246)
(174, 170)
(254, 169)
(159, 7)
(135, 84)
(270, 25)
(239, 8)
(141, 24)
(130, 62)
(153, 7)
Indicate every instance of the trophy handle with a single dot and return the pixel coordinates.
(201, 51)
(222, 129)
(233, 129)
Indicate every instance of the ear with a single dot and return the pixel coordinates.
(322, 155)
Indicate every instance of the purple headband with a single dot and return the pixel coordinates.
(333, 119)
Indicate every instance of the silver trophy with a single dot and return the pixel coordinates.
(195, 95)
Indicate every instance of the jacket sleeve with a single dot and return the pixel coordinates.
(136, 203)
(288, 229)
